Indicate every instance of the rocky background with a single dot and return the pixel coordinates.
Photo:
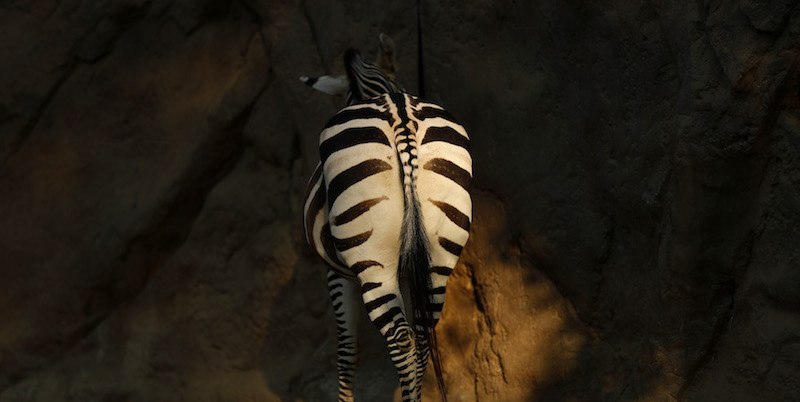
(637, 198)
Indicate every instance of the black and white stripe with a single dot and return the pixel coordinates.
(363, 80)
(367, 81)
(389, 199)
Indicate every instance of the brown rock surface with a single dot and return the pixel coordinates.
(636, 205)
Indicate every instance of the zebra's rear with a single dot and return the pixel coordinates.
(438, 211)
(390, 199)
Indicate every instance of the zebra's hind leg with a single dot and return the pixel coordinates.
(345, 296)
(423, 352)
(439, 275)
(383, 302)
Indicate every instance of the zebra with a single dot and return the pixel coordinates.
(364, 80)
(388, 204)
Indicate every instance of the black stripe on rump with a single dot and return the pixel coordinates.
(366, 287)
(317, 203)
(314, 178)
(452, 213)
(350, 242)
(381, 101)
(361, 113)
(386, 317)
(450, 246)
(446, 134)
(438, 291)
(442, 270)
(357, 210)
(427, 112)
(372, 305)
(350, 137)
(360, 266)
(353, 175)
(327, 245)
(450, 170)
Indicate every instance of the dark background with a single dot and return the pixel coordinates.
(637, 198)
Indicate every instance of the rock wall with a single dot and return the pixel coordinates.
(636, 198)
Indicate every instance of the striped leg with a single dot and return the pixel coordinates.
(423, 353)
(439, 277)
(345, 298)
(444, 256)
(383, 302)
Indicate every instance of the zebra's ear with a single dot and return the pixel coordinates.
(328, 84)
(386, 56)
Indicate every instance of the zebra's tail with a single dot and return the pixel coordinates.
(415, 263)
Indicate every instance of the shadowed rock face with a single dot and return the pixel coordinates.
(636, 204)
